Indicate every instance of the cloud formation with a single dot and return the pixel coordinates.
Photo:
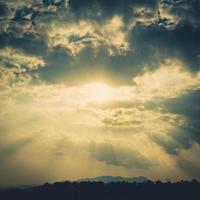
(111, 86)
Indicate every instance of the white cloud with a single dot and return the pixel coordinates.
(169, 80)
(110, 33)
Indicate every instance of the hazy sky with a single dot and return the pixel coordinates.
(99, 87)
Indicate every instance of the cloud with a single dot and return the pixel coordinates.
(93, 34)
(118, 156)
(186, 106)
(103, 9)
(3, 10)
(59, 3)
(185, 101)
(124, 74)
(9, 149)
(13, 58)
(189, 162)
(184, 133)
(113, 44)
(158, 43)
(185, 11)
(169, 80)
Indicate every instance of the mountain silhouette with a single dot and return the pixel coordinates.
(114, 179)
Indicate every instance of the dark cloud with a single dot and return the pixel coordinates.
(185, 10)
(9, 149)
(118, 156)
(191, 168)
(187, 106)
(21, 14)
(150, 43)
(62, 66)
(170, 146)
(156, 43)
(185, 134)
(29, 43)
(3, 10)
(174, 142)
(58, 67)
(102, 9)
(57, 3)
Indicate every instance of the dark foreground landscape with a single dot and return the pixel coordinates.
(101, 191)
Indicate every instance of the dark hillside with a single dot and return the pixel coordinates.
(101, 191)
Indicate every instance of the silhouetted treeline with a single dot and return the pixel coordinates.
(100, 191)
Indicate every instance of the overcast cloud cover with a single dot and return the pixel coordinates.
(99, 87)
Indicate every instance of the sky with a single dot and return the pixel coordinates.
(99, 87)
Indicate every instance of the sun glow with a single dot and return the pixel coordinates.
(99, 92)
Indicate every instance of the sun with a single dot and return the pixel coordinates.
(98, 92)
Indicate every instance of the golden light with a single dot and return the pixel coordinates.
(98, 92)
